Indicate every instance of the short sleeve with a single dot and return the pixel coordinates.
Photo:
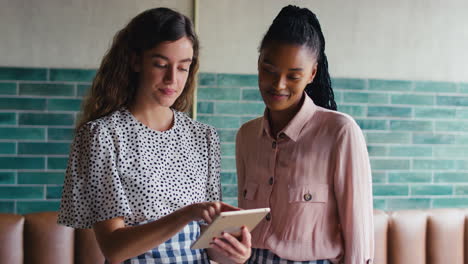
(92, 190)
(213, 185)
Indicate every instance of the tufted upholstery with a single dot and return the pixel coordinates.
(37, 239)
(435, 236)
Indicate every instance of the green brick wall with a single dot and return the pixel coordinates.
(417, 134)
(38, 109)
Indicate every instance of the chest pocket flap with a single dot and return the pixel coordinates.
(308, 193)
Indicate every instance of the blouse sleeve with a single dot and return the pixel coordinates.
(353, 190)
(213, 185)
(92, 190)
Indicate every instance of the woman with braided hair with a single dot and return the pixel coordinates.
(303, 159)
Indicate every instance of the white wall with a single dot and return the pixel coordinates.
(398, 39)
(67, 33)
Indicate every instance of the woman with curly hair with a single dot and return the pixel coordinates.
(141, 173)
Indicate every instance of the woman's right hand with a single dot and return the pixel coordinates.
(207, 211)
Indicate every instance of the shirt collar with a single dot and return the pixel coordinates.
(297, 123)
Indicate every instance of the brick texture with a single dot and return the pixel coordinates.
(416, 131)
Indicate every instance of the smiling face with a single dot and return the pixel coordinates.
(163, 72)
(284, 70)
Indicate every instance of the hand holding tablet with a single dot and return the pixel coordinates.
(230, 222)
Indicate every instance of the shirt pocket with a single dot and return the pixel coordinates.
(303, 213)
(308, 193)
(250, 191)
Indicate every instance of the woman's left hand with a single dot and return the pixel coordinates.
(235, 250)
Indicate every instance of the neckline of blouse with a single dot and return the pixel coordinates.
(174, 126)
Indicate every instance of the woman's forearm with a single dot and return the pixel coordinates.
(119, 242)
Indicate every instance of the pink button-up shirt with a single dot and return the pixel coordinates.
(316, 178)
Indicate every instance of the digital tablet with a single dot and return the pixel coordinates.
(230, 222)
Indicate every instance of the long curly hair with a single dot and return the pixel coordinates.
(115, 83)
(299, 26)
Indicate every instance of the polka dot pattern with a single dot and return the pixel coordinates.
(119, 167)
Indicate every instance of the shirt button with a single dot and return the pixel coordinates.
(282, 135)
(270, 181)
(307, 197)
(273, 145)
(268, 217)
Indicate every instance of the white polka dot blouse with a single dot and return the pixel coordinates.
(120, 167)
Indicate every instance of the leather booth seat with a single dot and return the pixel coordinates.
(435, 236)
(38, 239)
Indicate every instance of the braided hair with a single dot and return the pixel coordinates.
(299, 26)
